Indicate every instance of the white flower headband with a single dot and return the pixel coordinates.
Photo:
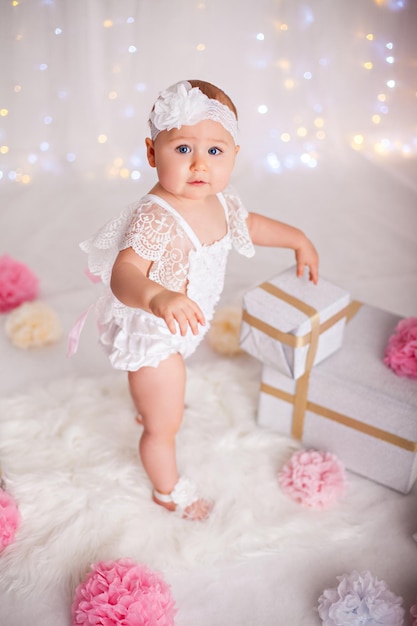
(185, 105)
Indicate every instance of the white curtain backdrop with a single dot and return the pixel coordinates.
(312, 80)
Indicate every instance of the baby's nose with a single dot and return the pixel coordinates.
(199, 162)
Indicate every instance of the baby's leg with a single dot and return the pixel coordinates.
(158, 394)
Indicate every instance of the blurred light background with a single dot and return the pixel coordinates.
(312, 80)
(326, 92)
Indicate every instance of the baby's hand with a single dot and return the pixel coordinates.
(175, 307)
(306, 256)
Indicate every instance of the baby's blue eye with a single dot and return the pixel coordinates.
(214, 151)
(183, 149)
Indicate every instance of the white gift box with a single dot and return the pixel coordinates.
(352, 405)
(291, 324)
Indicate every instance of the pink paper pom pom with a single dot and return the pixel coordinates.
(17, 284)
(413, 613)
(360, 598)
(314, 479)
(9, 519)
(123, 592)
(401, 350)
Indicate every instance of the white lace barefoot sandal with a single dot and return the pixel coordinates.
(185, 499)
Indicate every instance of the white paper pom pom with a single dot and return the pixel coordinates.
(223, 335)
(33, 325)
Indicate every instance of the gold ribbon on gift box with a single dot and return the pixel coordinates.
(296, 341)
(300, 398)
(350, 422)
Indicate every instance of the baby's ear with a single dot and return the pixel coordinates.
(150, 152)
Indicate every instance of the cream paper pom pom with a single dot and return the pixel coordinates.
(224, 332)
(33, 325)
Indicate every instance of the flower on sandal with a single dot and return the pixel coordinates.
(313, 478)
(18, 284)
(123, 592)
(401, 350)
(33, 325)
(184, 493)
(360, 598)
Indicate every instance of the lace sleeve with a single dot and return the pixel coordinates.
(149, 232)
(237, 222)
(143, 226)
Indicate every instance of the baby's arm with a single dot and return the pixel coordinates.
(130, 285)
(265, 231)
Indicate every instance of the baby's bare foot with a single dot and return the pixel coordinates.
(198, 510)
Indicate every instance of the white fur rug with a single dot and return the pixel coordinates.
(69, 456)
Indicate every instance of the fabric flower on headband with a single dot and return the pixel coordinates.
(123, 592)
(401, 350)
(179, 105)
(18, 284)
(314, 479)
(184, 105)
(360, 598)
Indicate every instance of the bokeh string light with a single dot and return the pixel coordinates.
(77, 81)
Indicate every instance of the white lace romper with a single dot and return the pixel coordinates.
(132, 337)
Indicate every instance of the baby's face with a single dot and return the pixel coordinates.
(193, 162)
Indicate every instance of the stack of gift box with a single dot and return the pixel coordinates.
(324, 380)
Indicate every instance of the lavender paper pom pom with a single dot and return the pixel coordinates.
(360, 598)
(123, 592)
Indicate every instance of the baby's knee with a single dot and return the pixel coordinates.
(161, 429)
